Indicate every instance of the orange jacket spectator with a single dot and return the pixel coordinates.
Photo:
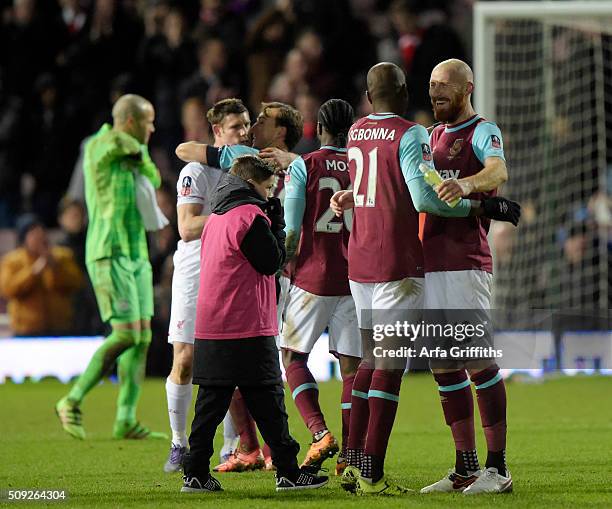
(39, 282)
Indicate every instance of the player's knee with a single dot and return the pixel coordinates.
(289, 357)
(182, 365)
(184, 372)
(484, 373)
(127, 338)
(348, 366)
(486, 378)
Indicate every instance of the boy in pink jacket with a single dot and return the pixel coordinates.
(243, 246)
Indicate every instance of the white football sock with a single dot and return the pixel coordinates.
(179, 400)
(230, 436)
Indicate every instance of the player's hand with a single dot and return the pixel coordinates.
(191, 151)
(341, 201)
(452, 189)
(277, 157)
(502, 209)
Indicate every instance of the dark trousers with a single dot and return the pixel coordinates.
(267, 406)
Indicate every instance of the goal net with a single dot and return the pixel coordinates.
(543, 72)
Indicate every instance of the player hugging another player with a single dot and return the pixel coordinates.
(319, 297)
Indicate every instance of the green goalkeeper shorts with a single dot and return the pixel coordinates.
(123, 288)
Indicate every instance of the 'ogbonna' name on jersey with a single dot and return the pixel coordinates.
(377, 133)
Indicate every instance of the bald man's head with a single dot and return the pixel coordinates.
(134, 115)
(450, 87)
(386, 84)
(457, 69)
(130, 105)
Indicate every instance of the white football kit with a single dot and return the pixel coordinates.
(196, 184)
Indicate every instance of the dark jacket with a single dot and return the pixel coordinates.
(263, 245)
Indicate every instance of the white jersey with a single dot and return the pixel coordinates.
(196, 184)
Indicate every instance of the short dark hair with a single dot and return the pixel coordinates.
(26, 223)
(287, 117)
(336, 116)
(251, 167)
(221, 109)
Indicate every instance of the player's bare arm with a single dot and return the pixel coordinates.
(291, 245)
(190, 221)
(192, 151)
(492, 176)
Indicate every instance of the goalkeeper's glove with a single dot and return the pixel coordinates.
(501, 209)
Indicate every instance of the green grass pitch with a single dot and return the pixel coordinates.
(560, 450)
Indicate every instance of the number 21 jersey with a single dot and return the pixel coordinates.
(384, 244)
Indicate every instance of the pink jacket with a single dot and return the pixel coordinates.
(234, 301)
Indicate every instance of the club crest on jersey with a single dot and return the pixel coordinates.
(456, 148)
(426, 151)
(186, 186)
(288, 176)
(495, 141)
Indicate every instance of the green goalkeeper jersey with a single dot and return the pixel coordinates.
(115, 225)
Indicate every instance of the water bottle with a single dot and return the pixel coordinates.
(433, 178)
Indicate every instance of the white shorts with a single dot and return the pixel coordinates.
(285, 285)
(460, 289)
(185, 286)
(306, 316)
(405, 294)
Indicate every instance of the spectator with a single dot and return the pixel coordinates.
(154, 16)
(72, 219)
(163, 243)
(267, 43)
(423, 40)
(12, 137)
(51, 164)
(193, 120)
(578, 279)
(308, 105)
(164, 61)
(159, 358)
(220, 18)
(213, 80)
(292, 80)
(73, 222)
(74, 17)
(106, 49)
(321, 80)
(30, 41)
(39, 280)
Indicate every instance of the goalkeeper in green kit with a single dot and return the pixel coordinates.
(118, 263)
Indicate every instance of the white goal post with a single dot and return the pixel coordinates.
(543, 72)
(594, 13)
